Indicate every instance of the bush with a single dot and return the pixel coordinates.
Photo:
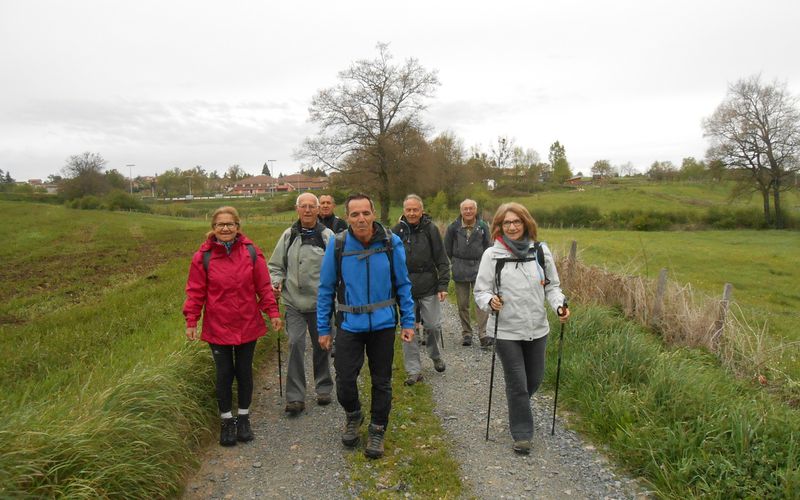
(120, 200)
(87, 202)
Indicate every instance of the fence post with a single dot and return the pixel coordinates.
(719, 324)
(658, 306)
(569, 272)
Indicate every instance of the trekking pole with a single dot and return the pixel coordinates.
(280, 369)
(491, 377)
(561, 311)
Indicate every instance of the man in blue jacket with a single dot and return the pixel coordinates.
(366, 270)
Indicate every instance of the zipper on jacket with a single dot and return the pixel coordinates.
(368, 294)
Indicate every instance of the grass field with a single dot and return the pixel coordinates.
(761, 265)
(103, 396)
(659, 196)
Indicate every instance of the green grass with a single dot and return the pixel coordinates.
(102, 394)
(659, 196)
(761, 265)
(103, 397)
(673, 416)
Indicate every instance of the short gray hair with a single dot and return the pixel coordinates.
(468, 201)
(297, 201)
(412, 196)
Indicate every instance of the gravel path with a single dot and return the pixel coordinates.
(301, 457)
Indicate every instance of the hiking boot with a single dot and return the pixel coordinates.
(324, 399)
(438, 365)
(243, 431)
(227, 433)
(293, 408)
(522, 447)
(374, 448)
(351, 425)
(487, 342)
(466, 341)
(413, 379)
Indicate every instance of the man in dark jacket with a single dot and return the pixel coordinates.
(465, 241)
(326, 215)
(429, 271)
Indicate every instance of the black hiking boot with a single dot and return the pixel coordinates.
(351, 426)
(227, 433)
(438, 365)
(466, 341)
(243, 431)
(374, 448)
(487, 342)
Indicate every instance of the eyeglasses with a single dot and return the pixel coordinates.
(226, 225)
(306, 207)
(509, 223)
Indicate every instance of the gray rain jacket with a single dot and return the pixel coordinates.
(301, 279)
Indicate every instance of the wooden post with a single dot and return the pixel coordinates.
(573, 252)
(719, 325)
(658, 305)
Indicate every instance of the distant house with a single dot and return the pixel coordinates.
(264, 184)
(259, 184)
(301, 182)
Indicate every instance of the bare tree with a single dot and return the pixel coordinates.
(756, 130)
(85, 176)
(372, 104)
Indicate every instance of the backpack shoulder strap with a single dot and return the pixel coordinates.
(537, 246)
(206, 259)
(286, 244)
(253, 254)
(250, 249)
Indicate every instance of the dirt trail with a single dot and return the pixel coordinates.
(302, 457)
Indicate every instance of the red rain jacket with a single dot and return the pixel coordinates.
(234, 293)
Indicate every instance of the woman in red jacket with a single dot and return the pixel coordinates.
(229, 278)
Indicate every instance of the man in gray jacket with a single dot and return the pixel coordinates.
(429, 271)
(294, 267)
(465, 241)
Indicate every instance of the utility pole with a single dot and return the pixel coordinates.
(130, 174)
(274, 176)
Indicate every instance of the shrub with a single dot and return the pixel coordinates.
(120, 200)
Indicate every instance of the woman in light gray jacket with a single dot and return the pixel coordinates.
(516, 276)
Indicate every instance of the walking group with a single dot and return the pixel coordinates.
(347, 284)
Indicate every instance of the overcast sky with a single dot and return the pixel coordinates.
(183, 83)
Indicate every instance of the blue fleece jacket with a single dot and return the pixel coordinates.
(367, 281)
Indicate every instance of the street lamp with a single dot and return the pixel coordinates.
(130, 174)
(272, 171)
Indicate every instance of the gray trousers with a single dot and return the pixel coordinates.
(297, 324)
(430, 310)
(523, 369)
(464, 297)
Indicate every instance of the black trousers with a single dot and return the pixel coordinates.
(350, 349)
(234, 361)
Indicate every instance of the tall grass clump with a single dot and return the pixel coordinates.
(134, 439)
(673, 416)
(682, 318)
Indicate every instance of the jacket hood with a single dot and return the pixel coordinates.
(212, 242)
